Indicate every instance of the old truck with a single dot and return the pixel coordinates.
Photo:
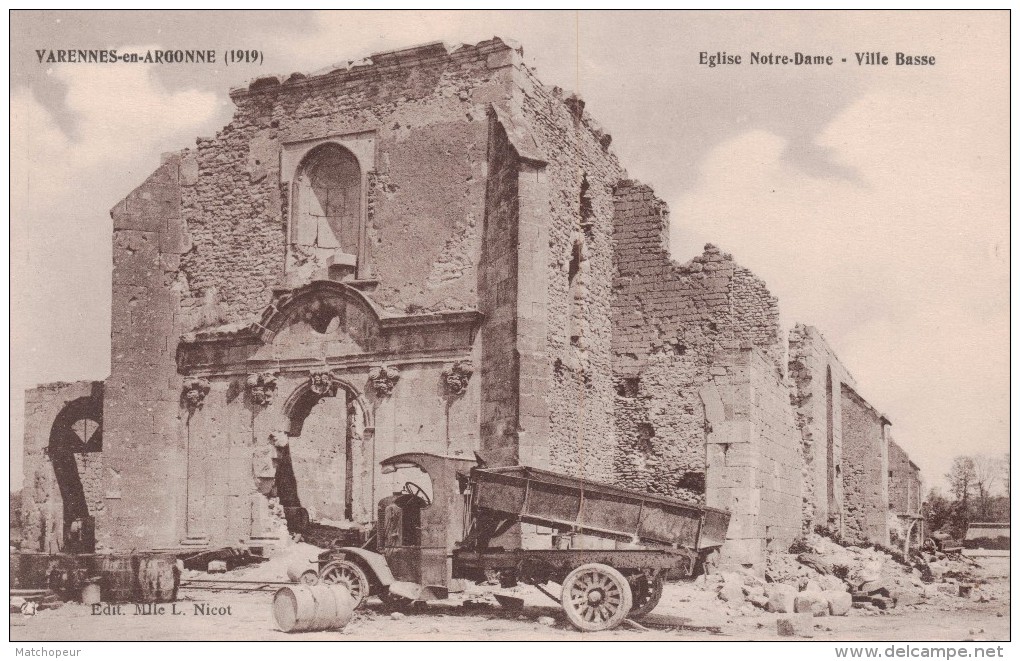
(470, 529)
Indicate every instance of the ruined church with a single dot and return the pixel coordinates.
(429, 250)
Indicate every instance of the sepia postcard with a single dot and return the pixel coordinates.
(667, 326)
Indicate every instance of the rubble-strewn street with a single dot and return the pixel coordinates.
(688, 611)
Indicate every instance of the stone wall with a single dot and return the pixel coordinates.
(420, 118)
(815, 378)
(498, 302)
(865, 474)
(144, 447)
(753, 456)
(57, 417)
(670, 321)
(905, 494)
(473, 199)
(577, 210)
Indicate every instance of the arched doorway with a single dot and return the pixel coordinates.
(75, 452)
(324, 475)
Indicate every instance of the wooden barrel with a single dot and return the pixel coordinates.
(312, 608)
(158, 577)
(119, 581)
(91, 593)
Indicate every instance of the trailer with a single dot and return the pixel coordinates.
(470, 529)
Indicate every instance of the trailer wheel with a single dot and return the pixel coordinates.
(348, 574)
(647, 593)
(596, 597)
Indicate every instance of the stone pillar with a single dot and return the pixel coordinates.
(532, 296)
(144, 444)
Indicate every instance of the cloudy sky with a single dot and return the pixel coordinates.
(874, 201)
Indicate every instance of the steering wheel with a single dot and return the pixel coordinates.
(412, 489)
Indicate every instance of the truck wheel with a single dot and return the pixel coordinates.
(596, 597)
(646, 595)
(348, 574)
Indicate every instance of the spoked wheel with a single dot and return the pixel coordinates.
(647, 593)
(596, 597)
(348, 574)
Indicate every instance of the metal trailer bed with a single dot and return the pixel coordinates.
(570, 504)
(601, 587)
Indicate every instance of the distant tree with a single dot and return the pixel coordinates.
(962, 476)
(939, 511)
(998, 508)
(1005, 472)
(986, 472)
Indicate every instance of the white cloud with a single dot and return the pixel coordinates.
(904, 268)
(62, 188)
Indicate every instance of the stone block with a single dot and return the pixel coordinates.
(714, 410)
(814, 603)
(839, 601)
(801, 626)
(500, 59)
(136, 258)
(732, 588)
(782, 598)
(907, 596)
(731, 431)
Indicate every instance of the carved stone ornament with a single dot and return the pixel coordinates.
(322, 383)
(194, 392)
(261, 388)
(384, 380)
(456, 377)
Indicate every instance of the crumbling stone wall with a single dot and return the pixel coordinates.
(866, 466)
(425, 111)
(670, 321)
(753, 466)
(578, 210)
(454, 220)
(43, 510)
(905, 494)
(144, 448)
(815, 378)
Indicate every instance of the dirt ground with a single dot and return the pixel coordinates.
(686, 612)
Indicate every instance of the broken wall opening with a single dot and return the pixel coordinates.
(321, 473)
(75, 452)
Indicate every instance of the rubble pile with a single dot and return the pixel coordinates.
(826, 578)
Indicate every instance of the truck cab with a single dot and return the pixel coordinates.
(414, 535)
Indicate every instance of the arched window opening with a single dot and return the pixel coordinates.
(327, 205)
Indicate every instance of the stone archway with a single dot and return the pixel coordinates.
(75, 452)
(326, 467)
